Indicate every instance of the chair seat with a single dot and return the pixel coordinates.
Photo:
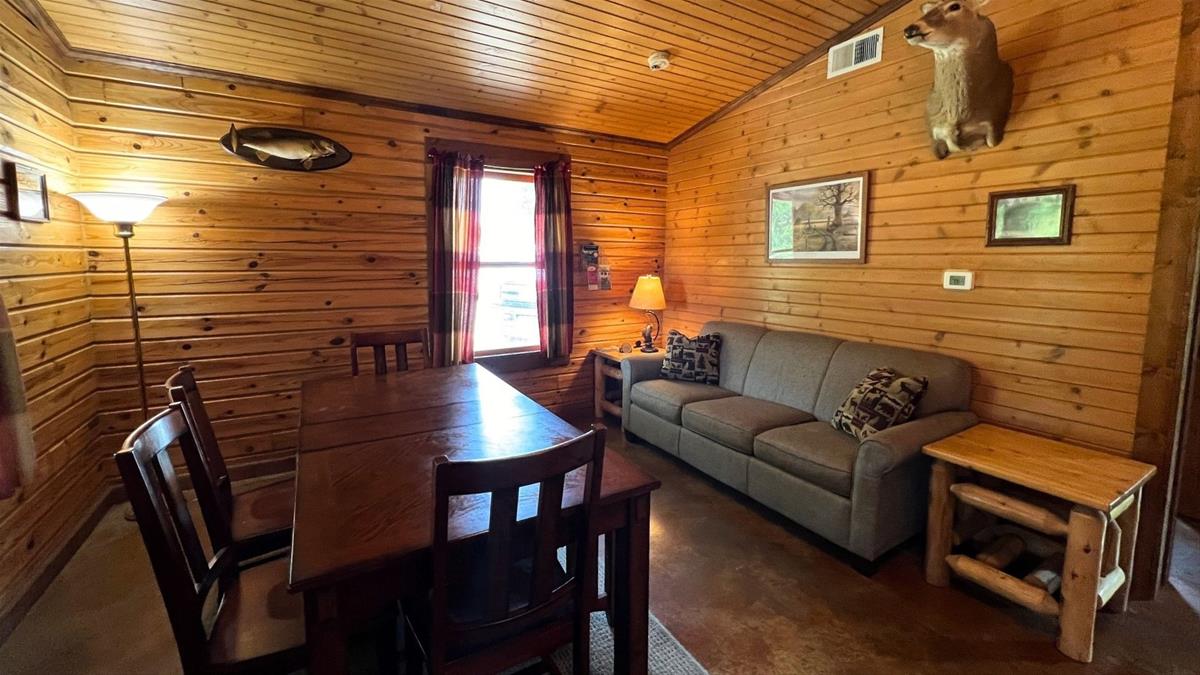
(262, 516)
(666, 398)
(260, 627)
(735, 421)
(815, 452)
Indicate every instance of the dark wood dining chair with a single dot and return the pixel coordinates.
(379, 341)
(504, 598)
(253, 522)
(258, 626)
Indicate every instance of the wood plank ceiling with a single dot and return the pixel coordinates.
(578, 65)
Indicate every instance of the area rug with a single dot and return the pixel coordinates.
(666, 656)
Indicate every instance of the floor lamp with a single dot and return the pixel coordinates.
(124, 210)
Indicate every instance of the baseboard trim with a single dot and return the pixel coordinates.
(11, 619)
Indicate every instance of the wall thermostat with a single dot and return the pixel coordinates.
(958, 280)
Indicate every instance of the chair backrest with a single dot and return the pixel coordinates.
(184, 573)
(379, 341)
(210, 476)
(508, 606)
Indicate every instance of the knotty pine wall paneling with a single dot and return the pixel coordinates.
(257, 277)
(1056, 333)
(43, 282)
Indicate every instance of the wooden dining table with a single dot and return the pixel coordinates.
(362, 530)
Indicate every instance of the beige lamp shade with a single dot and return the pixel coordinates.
(648, 294)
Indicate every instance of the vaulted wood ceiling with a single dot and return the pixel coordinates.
(578, 64)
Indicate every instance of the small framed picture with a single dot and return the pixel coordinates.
(1037, 217)
(28, 198)
(823, 220)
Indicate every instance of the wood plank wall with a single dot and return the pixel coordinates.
(43, 282)
(1056, 334)
(257, 277)
(254, 276)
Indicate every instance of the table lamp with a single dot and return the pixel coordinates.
(124, 210)
(648, 296)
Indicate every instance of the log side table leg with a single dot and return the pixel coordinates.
(940, 528)
(1128, 521)
(598, 385)
(1081, 576)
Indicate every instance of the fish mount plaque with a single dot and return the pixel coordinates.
(287, 149)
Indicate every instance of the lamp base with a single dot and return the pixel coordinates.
(648, 349)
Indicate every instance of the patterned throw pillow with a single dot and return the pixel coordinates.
(884, 398)
(695, 359)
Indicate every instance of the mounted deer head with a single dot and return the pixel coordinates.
(972, 87)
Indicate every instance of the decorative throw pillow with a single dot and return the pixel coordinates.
(884, 398)
(695, 359)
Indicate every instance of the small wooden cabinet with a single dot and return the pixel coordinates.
(607, 394)
(1079, 506)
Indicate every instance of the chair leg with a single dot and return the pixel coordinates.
(385, 641)
(581, 648)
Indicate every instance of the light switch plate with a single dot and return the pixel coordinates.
(958, 280)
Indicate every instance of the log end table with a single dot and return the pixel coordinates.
(1099, 495)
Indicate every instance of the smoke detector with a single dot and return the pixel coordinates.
(659, 60)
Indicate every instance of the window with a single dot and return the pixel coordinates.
(506, 318)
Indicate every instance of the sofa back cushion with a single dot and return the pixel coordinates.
(949, 378)
(738, 341)
(788, 368)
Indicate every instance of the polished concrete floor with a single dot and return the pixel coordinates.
(744, 590)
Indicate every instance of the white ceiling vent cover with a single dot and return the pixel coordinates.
(856, 53)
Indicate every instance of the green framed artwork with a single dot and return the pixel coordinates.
(1036, 217)
(821, 220)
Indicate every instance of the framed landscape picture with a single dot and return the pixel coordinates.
(1034, 217)
(823, 220)
(28, 198)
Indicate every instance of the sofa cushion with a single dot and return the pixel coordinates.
(883, 399)
(788, 367)
(815, 452)
(666, 398)
(735, 421)
(695, 359)
(738, 342)
(949, 378)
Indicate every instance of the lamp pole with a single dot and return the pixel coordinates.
(125, 233)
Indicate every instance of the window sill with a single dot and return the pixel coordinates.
(513, 362)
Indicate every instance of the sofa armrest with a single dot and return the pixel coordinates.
(888, 449)
(634, 369)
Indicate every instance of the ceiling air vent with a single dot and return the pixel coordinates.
(856, 53)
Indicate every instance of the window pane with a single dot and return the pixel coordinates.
(506, 220)
(506, 316)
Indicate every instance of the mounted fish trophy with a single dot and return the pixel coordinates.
(288, 149)
(972, 87)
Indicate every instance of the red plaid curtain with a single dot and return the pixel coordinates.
(555, 280)
(16, 435)
(454, 258)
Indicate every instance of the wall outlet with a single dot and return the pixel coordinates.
(958, 280)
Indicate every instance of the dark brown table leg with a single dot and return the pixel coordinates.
(630, 598)
(325, 634)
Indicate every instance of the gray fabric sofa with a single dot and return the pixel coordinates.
(765, 430)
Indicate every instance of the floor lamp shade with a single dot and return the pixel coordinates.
(123, 209)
